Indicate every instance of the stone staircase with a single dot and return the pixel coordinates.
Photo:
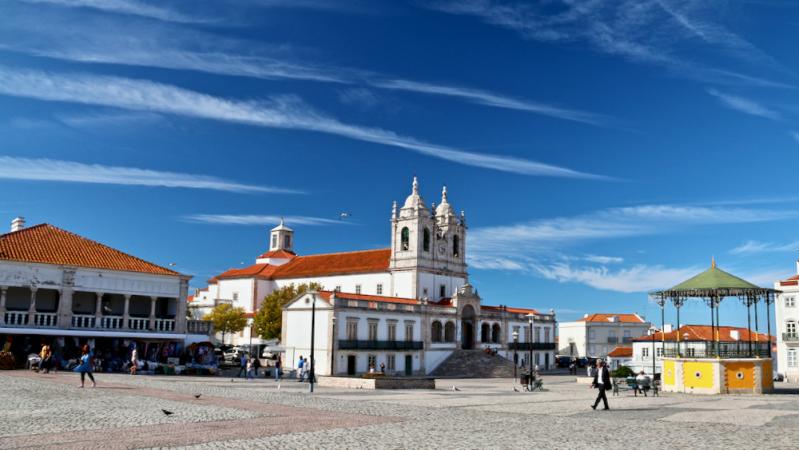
(473, 364)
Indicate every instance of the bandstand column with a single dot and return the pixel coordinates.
(768, 301)
(757, 332)
(749, 321)
(678, 302)
(712, 327)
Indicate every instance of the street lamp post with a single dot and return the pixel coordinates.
(311, 372)
(652, 329)
(333, 349)
(530, 378)
(515, 356)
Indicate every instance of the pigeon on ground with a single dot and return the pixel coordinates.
(455, 389)
(167, 413)
(514, 389)
(232, 380)
(197, 395)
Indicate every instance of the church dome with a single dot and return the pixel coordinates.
(444, 209)
(414, 200)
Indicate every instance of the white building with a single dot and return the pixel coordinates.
(696, 341)
(595, 335)
(415, 291)
(65, 290)
(787, 318)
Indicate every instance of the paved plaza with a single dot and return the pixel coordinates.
(50, 411)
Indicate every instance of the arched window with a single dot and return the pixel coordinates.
(405, 238)
(485, 333)
(449, 332)
(456, 244)
(435, 332)
(495, 330)
(426, 240)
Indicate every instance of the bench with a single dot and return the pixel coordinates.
(630, 384)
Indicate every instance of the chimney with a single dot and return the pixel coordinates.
(668, 328)
(17, 224)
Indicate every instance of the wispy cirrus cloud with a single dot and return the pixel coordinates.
(492, 99)
(750, 247)
(130, 7)
(795, 136)
(254, 219)
(744, 105)
(106, 41)
(540, 247)
(12, 168)
(648, 32)
(281, 112)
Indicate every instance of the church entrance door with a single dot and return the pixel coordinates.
(467, 327)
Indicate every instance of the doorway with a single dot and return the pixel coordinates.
(351, 365)
(467, 327)
(546, 361)
(408, 365)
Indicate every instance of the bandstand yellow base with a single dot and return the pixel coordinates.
(717, 376)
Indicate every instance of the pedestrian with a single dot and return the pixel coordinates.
(301, 368)
(256, 365)
(278, 365)
(601, 382)
(382, 367)
(85, 366)
(242, 365)
(134, 361)
(250, 368)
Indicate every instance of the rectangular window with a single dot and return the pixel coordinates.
(659, 352)
(518, 333)
(537, 336)
(409, 332)
(287, 241)
(391, 363)
(392, 331)
(442, 291)
(691, 352)
(357, 288)
(791, 357)
(352, 330)
(546, 335)
(592, 334)
(627, 333)
(379, 289)
(372, 330)
(274, 241)
(337, 289)
(645, 353)
(235, 296)
(372, 361)
(790, 302)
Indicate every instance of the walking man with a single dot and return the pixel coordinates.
(242, 365)
(301, 368)
(601, 383)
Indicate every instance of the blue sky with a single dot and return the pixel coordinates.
(600, 150)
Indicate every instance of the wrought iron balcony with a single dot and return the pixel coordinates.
(527, 346)
(199, 327)
(613, 340)
(790, 337)
(345, 344)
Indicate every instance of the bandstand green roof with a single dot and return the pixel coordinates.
(713, 282)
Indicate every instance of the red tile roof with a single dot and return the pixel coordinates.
(262, 270)
(792, 281)
(47, 244)
(372, 298)
(365, 261)
(282, 254)
(621, 352)
(510, 309)
(620, 318)
(704, 333)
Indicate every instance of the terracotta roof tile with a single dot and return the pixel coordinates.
(282, 254)
(48, 244)
(365, 261)
(704, 333)
(621, 352)
(255, 271)
(620, 318)
(510, 309)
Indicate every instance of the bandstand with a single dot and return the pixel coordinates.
(718, 368)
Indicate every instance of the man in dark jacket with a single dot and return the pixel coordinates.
(601, 382)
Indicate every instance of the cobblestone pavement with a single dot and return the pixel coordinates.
(50, 411)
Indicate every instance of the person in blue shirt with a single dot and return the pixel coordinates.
(85, 366)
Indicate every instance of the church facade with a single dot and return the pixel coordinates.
(407, 307)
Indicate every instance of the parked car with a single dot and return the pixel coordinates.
(232, 355)
(563, 361)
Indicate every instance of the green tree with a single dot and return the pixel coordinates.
(268, 321)
(227, 319)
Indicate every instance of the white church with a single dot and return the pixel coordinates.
(408, 307)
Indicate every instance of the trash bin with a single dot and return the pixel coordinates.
(524, 379)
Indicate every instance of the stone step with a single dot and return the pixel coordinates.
(474, 364)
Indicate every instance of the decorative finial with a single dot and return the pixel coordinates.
(444, 195)
(415, 185)
(712, 262)
(281, 221)
(394, 209)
